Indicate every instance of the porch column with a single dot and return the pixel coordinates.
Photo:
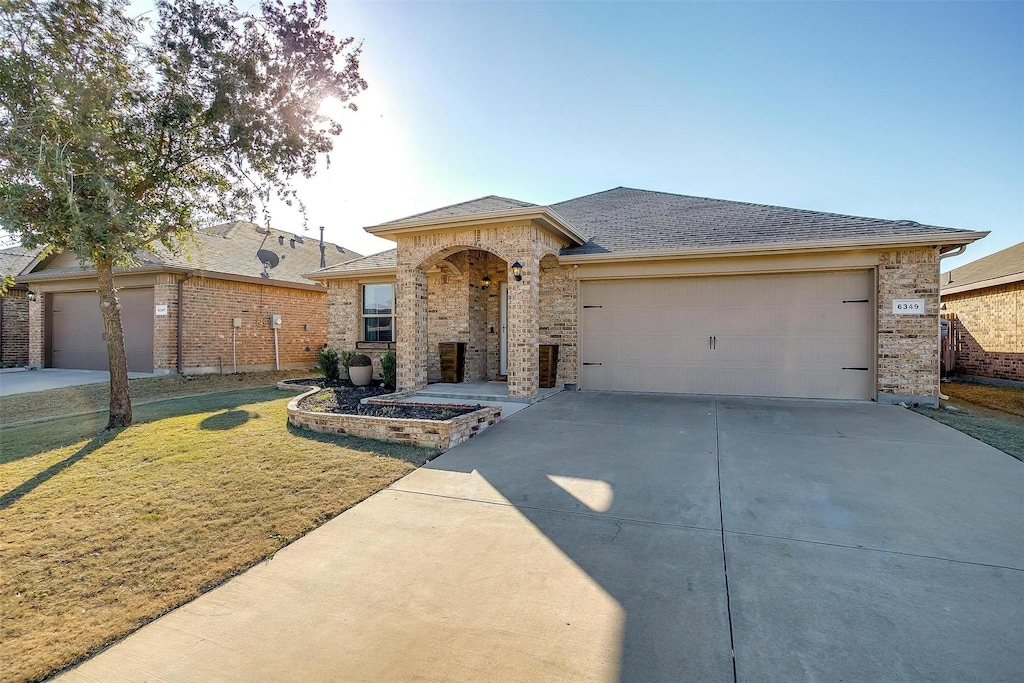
(411, 319)
(523, 322)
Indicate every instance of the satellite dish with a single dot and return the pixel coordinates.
(268, 258)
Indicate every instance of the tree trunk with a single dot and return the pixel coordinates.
(110, 307)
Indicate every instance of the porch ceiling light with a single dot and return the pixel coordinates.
(485, 283)
(517, 271)
(31, 295)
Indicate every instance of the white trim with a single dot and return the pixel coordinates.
(363, 315)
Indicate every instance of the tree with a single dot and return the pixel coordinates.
(112, 141)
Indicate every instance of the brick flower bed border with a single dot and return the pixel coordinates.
(441, 434)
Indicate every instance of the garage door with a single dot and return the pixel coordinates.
(76, 330)
(796, 335)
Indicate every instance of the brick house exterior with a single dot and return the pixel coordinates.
(984, 301)
(216, 297)
(14, 309)
(451, 268)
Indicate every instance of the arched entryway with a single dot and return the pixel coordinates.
(467, 302)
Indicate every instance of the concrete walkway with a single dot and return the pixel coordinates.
(21, 381)
(598, 537)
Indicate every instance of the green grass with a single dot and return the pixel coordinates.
(102, 532)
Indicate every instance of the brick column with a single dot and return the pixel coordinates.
(908, 345)
(36, 338)
(411, 314)
(523, 302)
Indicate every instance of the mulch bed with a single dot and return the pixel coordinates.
(341, 396)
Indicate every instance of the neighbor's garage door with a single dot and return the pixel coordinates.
(76, 330)
(796, 335)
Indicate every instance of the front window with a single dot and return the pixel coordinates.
(379, 313)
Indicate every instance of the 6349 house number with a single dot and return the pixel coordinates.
(908, 306)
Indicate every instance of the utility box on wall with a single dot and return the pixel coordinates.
(275, 322)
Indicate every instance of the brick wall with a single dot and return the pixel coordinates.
(14, 328)
(989, 331)
(908, 345)
(210, 305)
(559, 315)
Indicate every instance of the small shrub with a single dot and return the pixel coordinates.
(360, 360)
(329, 363)
(389, 369)
(346, 358)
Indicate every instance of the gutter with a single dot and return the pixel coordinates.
(982, 284)
(775, 248)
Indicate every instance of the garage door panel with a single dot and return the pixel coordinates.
(765, 335)
(76, 330)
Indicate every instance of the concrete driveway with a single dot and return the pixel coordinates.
(582, 539)
(21, 381)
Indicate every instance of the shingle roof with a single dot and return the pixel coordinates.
(480, 205)
(626, 220)
(231, 249)
(385, 259)
(13, 260)
(1002, 264)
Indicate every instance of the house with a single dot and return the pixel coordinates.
(209, 308)
(984, 302)
(654, 292)
(14, 308)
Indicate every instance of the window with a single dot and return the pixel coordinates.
(379, 313)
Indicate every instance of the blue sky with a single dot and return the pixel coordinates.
(909, 110)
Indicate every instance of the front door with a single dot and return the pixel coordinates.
(503, 308)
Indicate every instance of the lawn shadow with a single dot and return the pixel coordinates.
(417, 455)
(24, 441)
(229, 419)
(18, 492)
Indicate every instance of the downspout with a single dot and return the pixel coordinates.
(956, 252)
(181, 320)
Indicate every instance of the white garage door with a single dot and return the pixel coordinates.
(796, 335)
(76, 338)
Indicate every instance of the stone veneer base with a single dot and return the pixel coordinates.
(440, 434)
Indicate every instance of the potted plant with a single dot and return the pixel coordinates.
(360, 370)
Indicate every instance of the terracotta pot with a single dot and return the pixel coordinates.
(360, 376)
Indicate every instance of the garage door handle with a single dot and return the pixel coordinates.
(712, 342)
(855, 301)
(856, 369)
(593, 307)
(592, 363)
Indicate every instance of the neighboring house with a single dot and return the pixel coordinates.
(654, 292)
(985, 302)
(14, 309)
(206, 309)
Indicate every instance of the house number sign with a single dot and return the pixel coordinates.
(908, 306)
(161, 309)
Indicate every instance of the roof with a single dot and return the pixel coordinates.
(385, 260)
(999, 268)
(474, 206)
(231, 249)
(634, 224)
(625, 220)
(13, 260)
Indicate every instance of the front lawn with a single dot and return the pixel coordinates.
(101, 534)
(992, 414)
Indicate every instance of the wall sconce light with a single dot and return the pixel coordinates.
(31, 295)
(485, 283)
(517, 271)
